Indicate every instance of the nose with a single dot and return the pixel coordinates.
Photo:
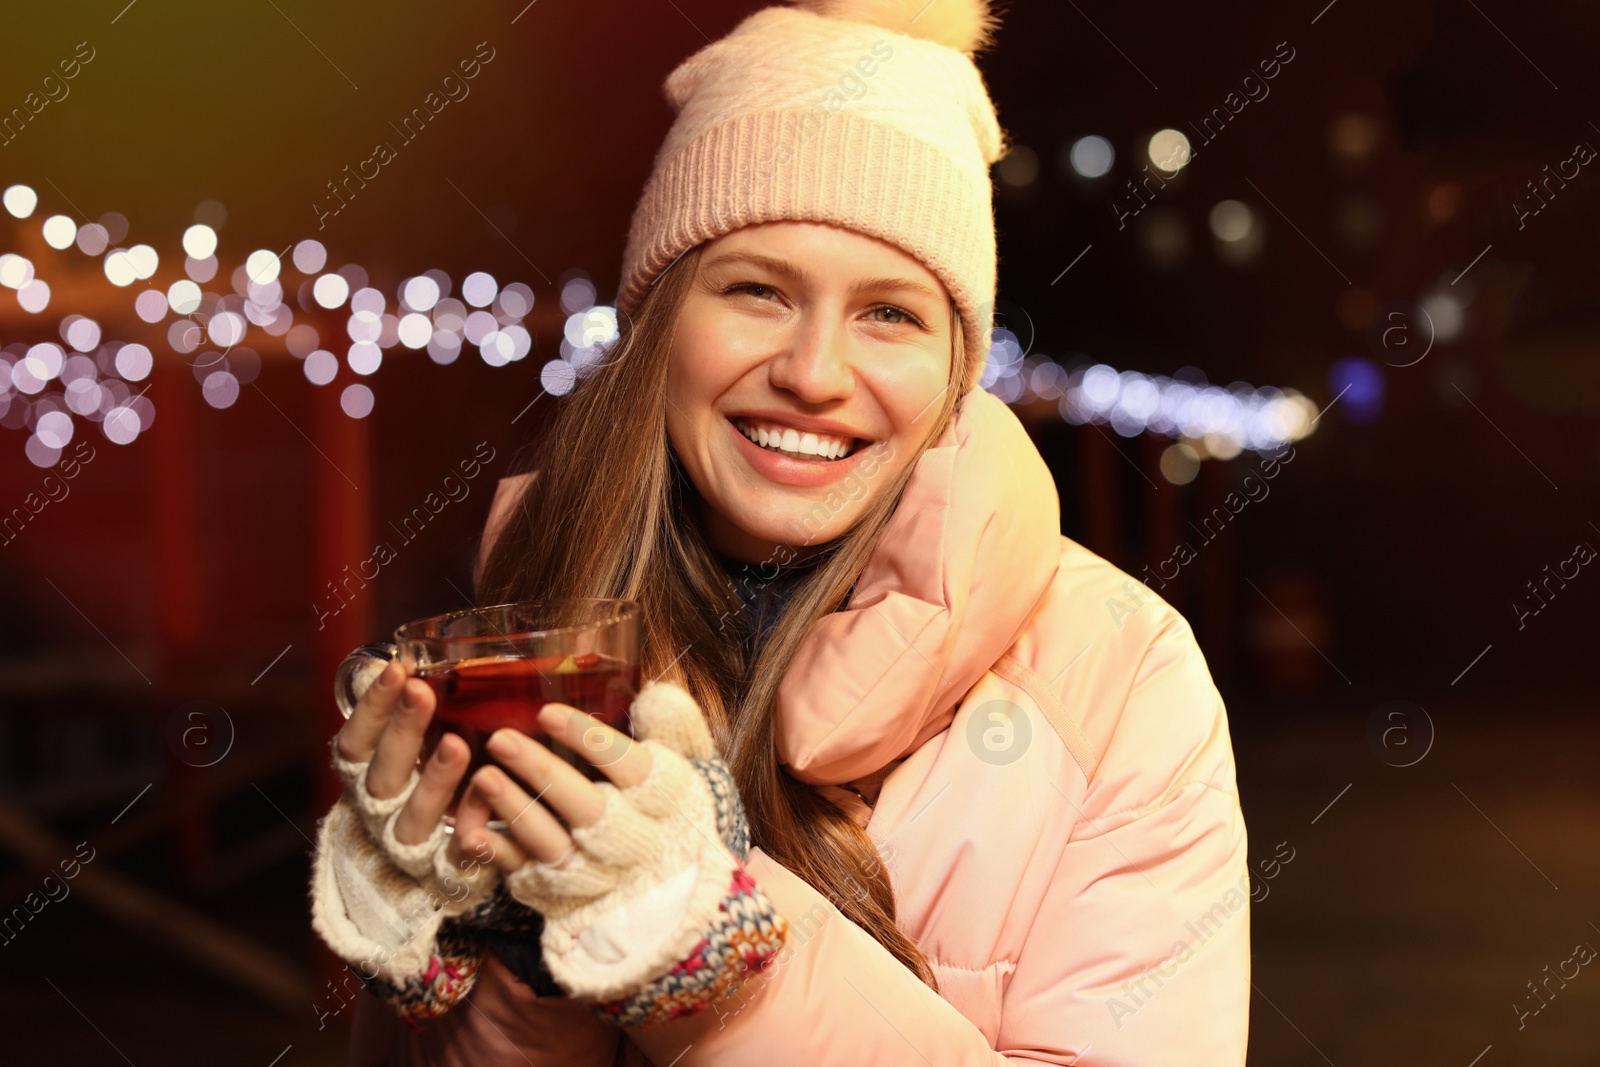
(815, 363)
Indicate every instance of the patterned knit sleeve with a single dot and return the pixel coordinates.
(415, 942)
(450, 974)
(745, 937)
(732, 825)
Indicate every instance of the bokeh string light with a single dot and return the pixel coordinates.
(1213, 421)
(47, 387)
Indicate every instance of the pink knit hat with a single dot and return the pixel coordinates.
(867, 114)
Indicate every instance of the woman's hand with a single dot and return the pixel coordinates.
(648, 911)
(393, 893)
(535, 832)
(385, 733)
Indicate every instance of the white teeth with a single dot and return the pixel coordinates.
(791, 440)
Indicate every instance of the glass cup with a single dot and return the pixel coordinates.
(496, 666)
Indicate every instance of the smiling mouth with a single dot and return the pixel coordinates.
(808, 447)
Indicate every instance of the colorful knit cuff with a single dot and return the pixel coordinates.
(450, 974)
(745, 939)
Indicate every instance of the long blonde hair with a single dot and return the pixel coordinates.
(611, 514)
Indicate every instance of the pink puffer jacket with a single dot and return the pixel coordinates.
(1054, 795)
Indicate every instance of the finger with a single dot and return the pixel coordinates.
(620, 757)
(398, 747)
(473, 842)
(533, 829)
(428, 802)
(472, 816)
(358, 737)
(501, 851)
(557, 782)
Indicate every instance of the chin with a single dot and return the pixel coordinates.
(800, 521)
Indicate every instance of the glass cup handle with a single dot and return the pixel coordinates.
(357, 672)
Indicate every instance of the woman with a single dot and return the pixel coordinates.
(992, 814)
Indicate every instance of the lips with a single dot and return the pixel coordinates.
(800, 472)
(804, 444)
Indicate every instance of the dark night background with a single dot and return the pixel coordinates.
(1386, 165)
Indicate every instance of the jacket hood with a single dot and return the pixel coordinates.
(957, 573)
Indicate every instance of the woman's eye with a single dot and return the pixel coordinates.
(897, 315)
(755, 289)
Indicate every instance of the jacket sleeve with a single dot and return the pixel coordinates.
(1138, 955)
(502, 1022)
(832, 995)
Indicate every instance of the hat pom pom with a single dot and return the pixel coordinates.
(965, 25)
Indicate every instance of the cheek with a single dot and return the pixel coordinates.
(684, 415)
(679, 436)
(706, 360)
(879, 471)
(913, 392)
(699, 371)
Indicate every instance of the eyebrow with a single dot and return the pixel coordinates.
(784, 268)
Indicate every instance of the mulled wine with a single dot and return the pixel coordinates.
(476, 697)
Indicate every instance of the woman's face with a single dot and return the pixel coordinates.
(815, 338)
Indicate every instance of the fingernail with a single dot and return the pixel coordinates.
(485, 784)
(505, 744)
(390, 675)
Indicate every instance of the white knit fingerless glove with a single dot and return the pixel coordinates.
(386, 908)
(654, 917)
